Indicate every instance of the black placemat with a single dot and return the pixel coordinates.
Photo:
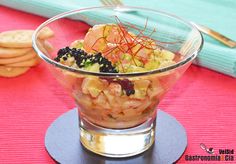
(62, 143)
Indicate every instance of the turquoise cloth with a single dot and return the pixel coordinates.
(219, 15)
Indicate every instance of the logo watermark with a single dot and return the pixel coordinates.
(212, 154)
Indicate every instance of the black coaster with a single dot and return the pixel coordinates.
(63, 144)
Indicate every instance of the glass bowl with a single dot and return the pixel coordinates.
(113, 120)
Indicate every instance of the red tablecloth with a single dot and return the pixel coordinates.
(203, 101)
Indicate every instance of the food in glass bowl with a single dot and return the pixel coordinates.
(119, 71)
(117, 102)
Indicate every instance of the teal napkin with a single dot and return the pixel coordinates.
(219, 15)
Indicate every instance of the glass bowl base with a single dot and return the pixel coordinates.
(62, 141)
(117, 143)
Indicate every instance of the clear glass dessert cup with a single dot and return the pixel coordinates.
(113, 123)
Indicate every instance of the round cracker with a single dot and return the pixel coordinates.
(45, 33)
(16, 39)
(12, 71)
(31, 54)
(13, 52)
(42, 47)
(22, 38)
(48, 46)
(29, 63)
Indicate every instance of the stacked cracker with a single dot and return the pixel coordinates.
(16, 53)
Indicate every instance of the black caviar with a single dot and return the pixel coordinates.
(125, 84)
(83, 59)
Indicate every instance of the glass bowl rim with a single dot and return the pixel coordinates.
(154, 71)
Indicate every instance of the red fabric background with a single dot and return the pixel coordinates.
(203, 101)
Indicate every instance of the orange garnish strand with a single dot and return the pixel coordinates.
(125, 42)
